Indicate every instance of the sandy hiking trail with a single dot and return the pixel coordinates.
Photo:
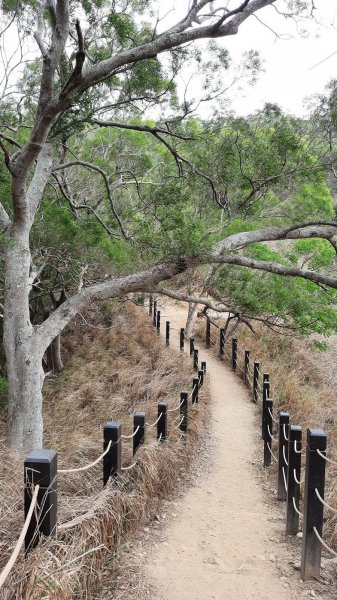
(225, 542)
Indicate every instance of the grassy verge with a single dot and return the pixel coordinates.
(113, 367)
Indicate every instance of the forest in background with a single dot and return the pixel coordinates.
(110, 184)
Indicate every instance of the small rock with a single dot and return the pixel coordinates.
(312, 594)
(299, 535)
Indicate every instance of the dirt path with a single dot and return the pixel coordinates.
(225, 542)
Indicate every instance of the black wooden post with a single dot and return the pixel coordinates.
(112, 461)
(265, 395)
(196, 360)
(158, 322)
(162, 423)
(167, 334)
(155, 313)
(150, 305)
(267, 438)
(313, 508)
(40, 468)
(245, 375)
(191, 346)
(283, 436)
(184, 411)
(294, 476)
(204, 366)
(234, 353)
(256, 380)
(139, 419)
(182, 339)
(208, 333)
(201, 377)
(195, 390)
(222, 343)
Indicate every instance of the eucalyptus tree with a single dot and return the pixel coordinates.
(99, 65)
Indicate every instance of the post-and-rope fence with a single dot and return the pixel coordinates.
(41, 472)
(282, 443)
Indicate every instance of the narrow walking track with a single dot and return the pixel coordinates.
(219, 546)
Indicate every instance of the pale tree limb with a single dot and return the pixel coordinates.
(308, 229)
(276, 268)
(39, 180)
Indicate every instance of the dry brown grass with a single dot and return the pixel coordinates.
(109, 374)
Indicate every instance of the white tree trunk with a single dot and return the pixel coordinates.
(192, 308)
(23, 356)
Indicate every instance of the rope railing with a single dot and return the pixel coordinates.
(285, 480)
(296, 478)
(129, 467)
(155, 423)
(285, 433)
(180, 422)
(273, 437)
(90, 465)
(272, 416)
(295, 448)
(129, 437)
(11, 562)
(176, 407)
(323, 542)
(324, 503)
(271, 452)
(296, 509)
(329, 460)
(284, 456)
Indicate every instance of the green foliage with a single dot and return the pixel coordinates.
(3, 394)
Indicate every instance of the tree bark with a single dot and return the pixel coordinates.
(23, 356)
(190, 319)
(56, 355)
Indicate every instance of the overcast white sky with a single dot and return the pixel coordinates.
(289, 77)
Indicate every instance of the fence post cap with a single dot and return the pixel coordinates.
(139, 414)
(316, 439)
(113, 424)
(295, 432)
(284, 416)
(47, 461)
(162, 404)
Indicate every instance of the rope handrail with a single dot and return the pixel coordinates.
(285, 480)
(176, 408)
(130, 467)
(159, 439)
(86, 467)
(323, 501)
(284, 455)
(273, 437)
(323, 542)
(284, 433)
(155, 423)
(295, 448)
(180, 422)
(129, 437)
(271, 452)
(296, 479)
(296, 509)
(271, 414)
(329, 460)
(12, 559)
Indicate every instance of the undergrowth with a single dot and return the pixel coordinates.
(114, 365)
